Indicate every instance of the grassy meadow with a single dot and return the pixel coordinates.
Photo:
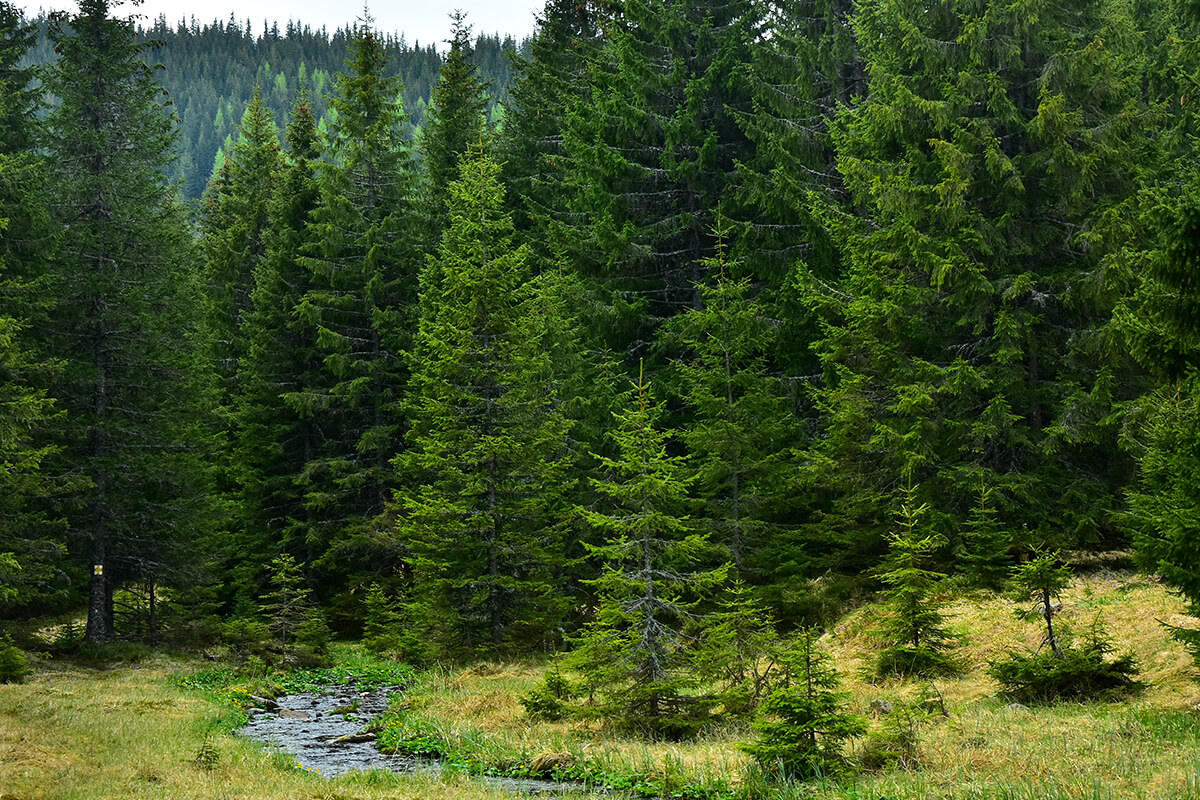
(130, 732)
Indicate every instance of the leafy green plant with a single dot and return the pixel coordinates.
(897, 745)
(550, 700)
(207, 757)
(740, 652)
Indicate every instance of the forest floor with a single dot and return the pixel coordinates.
(130, 732)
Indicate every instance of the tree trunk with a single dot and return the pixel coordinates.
(1048, 613)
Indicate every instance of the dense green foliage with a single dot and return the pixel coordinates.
(880, 261)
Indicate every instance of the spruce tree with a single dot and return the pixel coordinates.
(1159, 321)
(739, 651)
(1060, 668)
(485, 468)
(31, 545)
(915, 628)
(1164, 503)
(233, 240)
(790, 189)
(635, 653)
(126, 296)
(652, 146)
(292, 618)
(27, 543)
(360, 306)
(275, 419)
(1042, 579)
(803, 726)
(234, 222)
(545, 83)
(985, 558)
(20, 101)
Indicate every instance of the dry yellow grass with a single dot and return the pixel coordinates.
(1143, 749)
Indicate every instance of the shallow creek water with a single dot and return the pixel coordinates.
(306, 726)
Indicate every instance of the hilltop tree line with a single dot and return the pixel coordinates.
(736, 309)
(211, 70)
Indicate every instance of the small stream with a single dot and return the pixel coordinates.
(322, 731)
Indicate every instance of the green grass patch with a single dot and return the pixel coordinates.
(473, 752)
(234, 689)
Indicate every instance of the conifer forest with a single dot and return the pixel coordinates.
(650, 344)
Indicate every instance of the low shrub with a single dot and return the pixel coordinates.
(1087, 671)
(14, 666)
(550, 700)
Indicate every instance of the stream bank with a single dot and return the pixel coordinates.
(324, 732)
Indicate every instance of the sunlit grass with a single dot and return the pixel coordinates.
(136, 733)
(1142, 749)
(130, 733)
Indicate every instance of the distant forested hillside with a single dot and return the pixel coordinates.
(211, 69)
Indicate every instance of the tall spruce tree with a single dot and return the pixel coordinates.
(233, 241)
(29, 535)
(277, 437)
(1162, 325)
(990, 168)
(362, 260)
(798, 77)
(790, 189)
(531, 137)
(485, 468)
(122, 323)
(20, 100)
(234, 223)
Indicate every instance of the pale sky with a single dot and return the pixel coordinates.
(421, 21)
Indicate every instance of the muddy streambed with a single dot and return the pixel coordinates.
(324, 732)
